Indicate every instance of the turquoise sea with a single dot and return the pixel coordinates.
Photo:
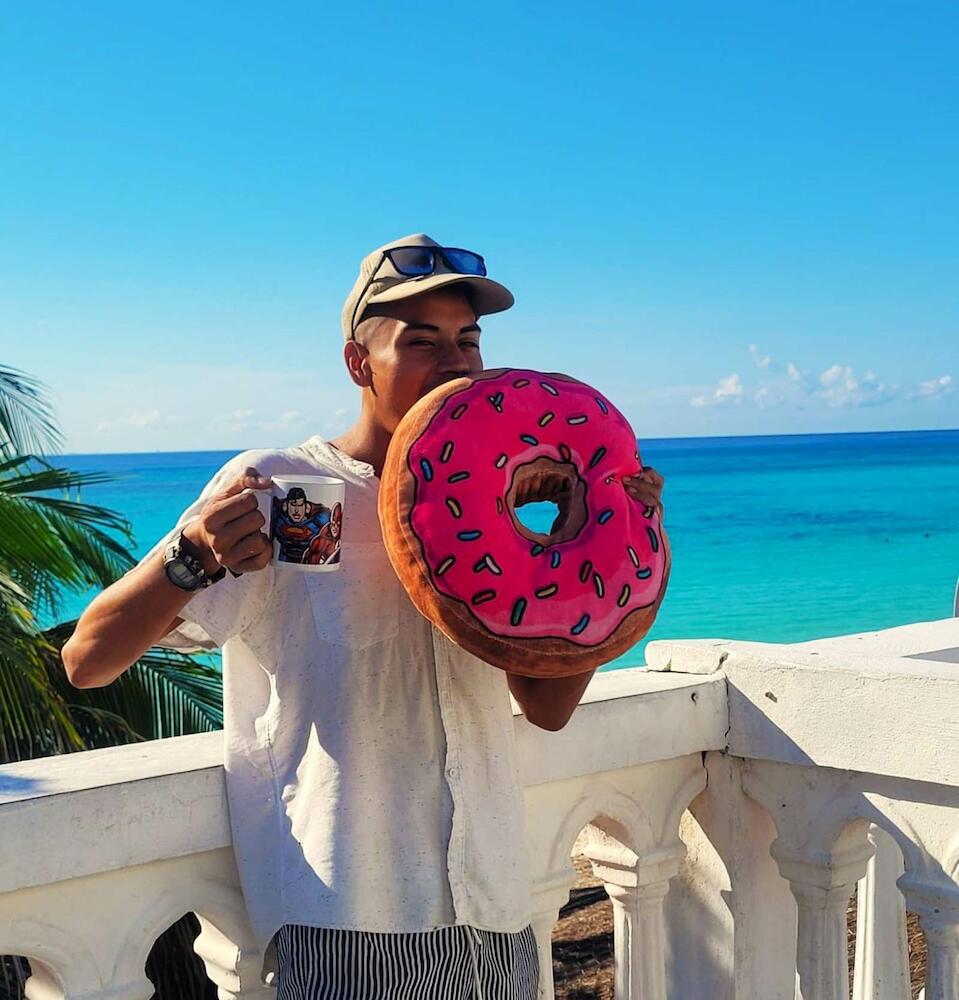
(775, 538)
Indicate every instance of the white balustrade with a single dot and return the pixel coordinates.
(882, 954)
(730, 800)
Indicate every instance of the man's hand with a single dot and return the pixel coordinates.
(227, 531)
(647, 489)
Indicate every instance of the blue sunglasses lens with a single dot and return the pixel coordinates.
(412, 261)
(465, 261)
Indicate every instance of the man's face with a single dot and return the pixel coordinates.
(336, 521)
(297, 510)
(425, 341)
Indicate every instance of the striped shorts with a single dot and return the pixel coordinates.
(448, 963)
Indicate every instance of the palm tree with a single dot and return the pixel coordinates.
(52, 543)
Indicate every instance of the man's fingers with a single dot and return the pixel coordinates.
(221, 511)
(251, 553)
(235, 531)
(249, 547)
(249, 480)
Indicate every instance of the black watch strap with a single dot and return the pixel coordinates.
(184, 568)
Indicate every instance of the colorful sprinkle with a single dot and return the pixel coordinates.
(521, 383)
(602, 405)
(545, 592)
(459, 411)
(519, 609)
(653, 539)
(605, 516)
(649, 511)
(580, 626)
(554, 558)
(584, 571)
(499, 505)
(455, 509)
(597, 457)
(623, 595)
(546, 418)
(469, 536)
(427, 469)
(536, 549)
(497, 400)
(458, 477)
(528, 438)
(644, 574)
(445, 565)
(580, 418)
(501, 461)
(551, 389)
(483, 596)
(564, 453)
(598, 584)
(488, 562)
(446, 452)
(632, 555)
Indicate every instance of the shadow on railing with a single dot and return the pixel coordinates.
(730, 798)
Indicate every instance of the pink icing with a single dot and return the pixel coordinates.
(612, 567)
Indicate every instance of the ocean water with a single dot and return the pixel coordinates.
(774, 538)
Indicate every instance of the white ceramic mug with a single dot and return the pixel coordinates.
(304, 520)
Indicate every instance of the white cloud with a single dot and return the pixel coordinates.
(237, 420)
(761, 362)
(337, 421)
(729, 389)
(140, 419)
(764, 396)
(794, 374)
(936, 386)
(841, 388)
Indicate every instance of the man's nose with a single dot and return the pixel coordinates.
(455, 359)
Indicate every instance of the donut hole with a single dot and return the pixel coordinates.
(547, 481)
(536, 513)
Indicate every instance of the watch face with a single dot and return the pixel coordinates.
(181, 575)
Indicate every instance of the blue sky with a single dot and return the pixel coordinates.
(732, 219)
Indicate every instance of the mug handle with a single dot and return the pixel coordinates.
(264, 503)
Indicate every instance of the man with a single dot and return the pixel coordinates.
(326, 543)
(297, 523)
(378, 822)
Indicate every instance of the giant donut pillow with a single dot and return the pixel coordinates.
(460, 462)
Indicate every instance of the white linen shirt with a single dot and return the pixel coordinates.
(370, 762)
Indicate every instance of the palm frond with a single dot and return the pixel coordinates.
(165, 693)
(51, 544)
(27, 423)
(35, 474)
(34, 719)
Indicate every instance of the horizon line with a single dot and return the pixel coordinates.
(688, 437)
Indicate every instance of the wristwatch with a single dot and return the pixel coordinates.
(184, 569)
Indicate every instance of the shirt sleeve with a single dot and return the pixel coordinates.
(223, 610)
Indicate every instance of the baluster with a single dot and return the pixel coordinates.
(550, 894)
(822, 884)
(882, 953)
(637, 885)
(44, 985)
(939, 918)
(232, 962)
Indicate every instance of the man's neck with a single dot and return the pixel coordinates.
(367, 442)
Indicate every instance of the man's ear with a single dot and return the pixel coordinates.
(357, 359)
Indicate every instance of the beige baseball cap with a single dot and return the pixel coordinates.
(379, 281)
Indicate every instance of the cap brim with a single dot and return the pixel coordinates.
(488, 296)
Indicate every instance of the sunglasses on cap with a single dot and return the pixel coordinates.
(417, 262)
